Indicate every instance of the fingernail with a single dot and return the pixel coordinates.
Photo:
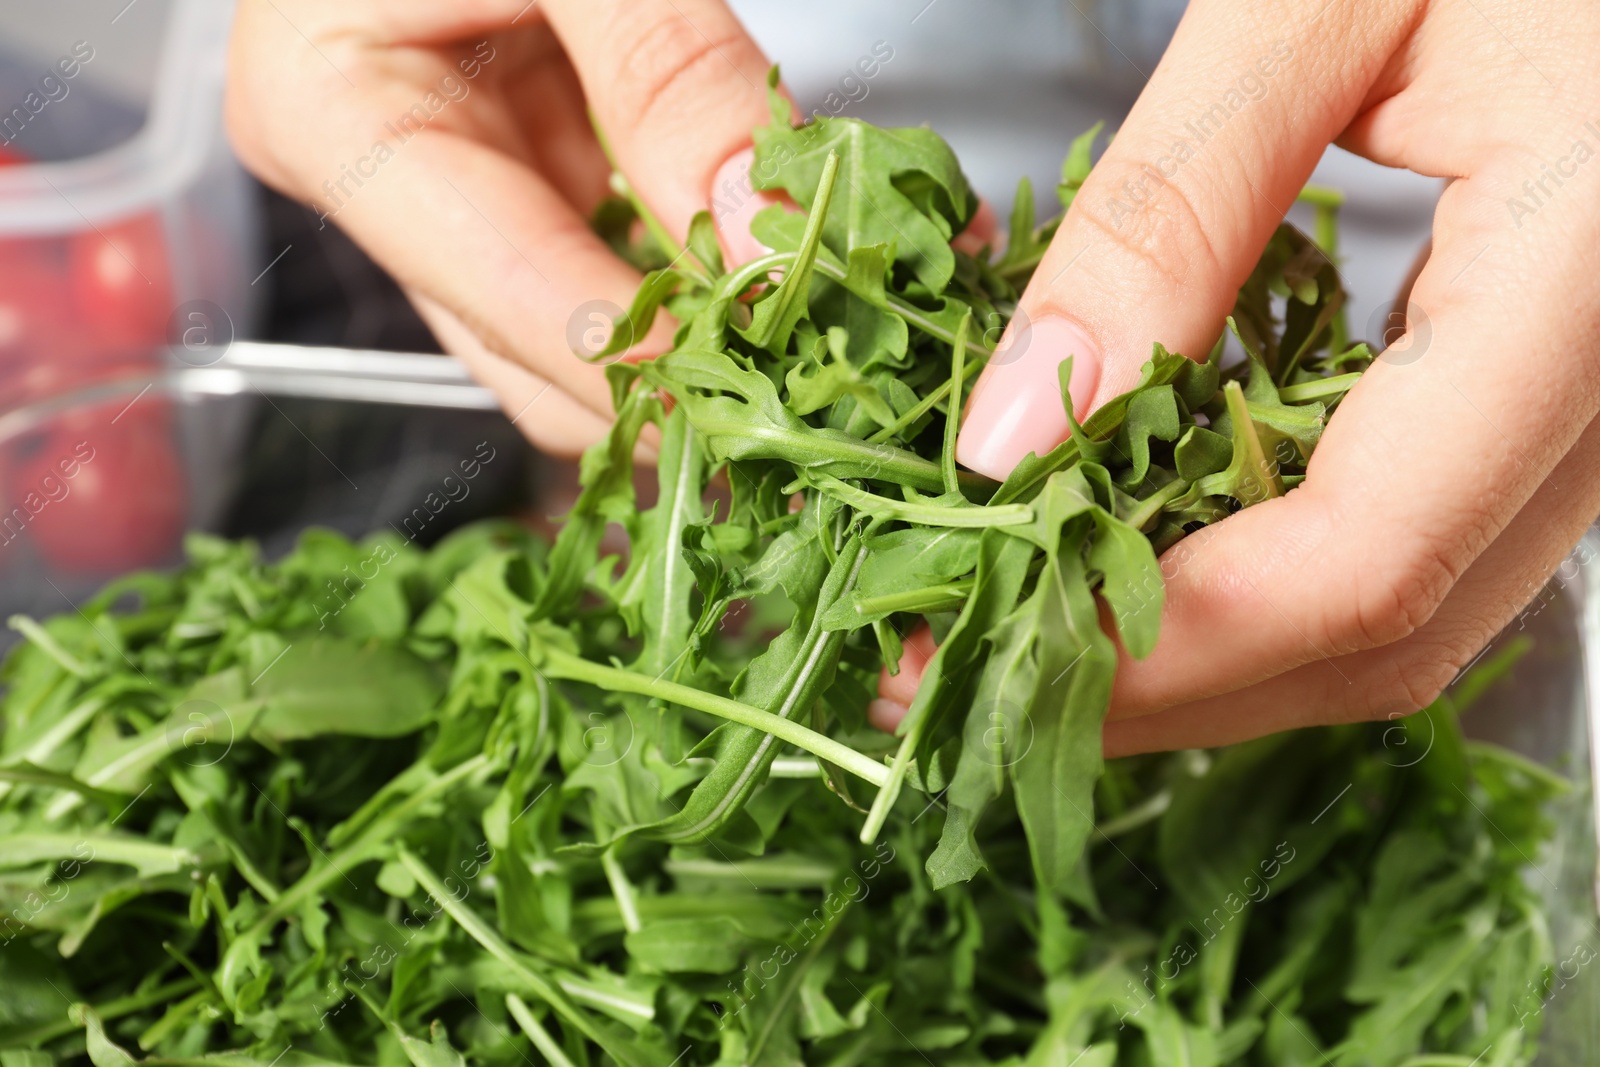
(885, 715)
(1016, 406)
(734, 205)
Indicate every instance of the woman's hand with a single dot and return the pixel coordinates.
(1463, 467)
(452, 142)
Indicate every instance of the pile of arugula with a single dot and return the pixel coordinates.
(502, 804)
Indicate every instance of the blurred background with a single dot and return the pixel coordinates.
(139, 266)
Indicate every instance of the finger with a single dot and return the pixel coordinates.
(983, 230)
(1425, 462)
(677, 86)
(1174, 216)
(397, 22)
(546, 414)
(473, 227)
(1398, 679)
(897, 691)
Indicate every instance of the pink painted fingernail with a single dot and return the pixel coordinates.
(1016, 406)
(734, 205)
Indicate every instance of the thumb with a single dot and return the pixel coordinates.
(1173, 218)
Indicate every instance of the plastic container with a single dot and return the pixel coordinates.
(122, 209)
(262, 441)
(126, 225)
(1546, 709)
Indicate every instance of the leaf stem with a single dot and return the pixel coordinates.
(621, 889)
(1326, 203)
(562, 664)
(540, 1037)
(1152, 505)
(1147, 811)
(111, 1009)
(1316, 390)
(737, 281)
(922, 601)
(48, 645)
(620, 184)
(797, 282)
(926, 404)
(890, 791)
(952, 420)
(944, 515)
(474, 927)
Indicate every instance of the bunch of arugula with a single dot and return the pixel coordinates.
(506, 805)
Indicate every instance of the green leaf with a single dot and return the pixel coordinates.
(1075, 168)
(324, 685)
(707, 946)
(828, 376)
(776, 313)
(898, 188)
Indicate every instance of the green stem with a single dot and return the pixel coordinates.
(48, 645)
(795, 767)
(1538, 772)
(62, 731)
(944, 515)
(1338, 385)
(561, 664)
(178, 1015)
(1326, 203)
(1262, 473)
(147, 857)
(1141, 814)
(668, 244)
(921, 601)
(768, 872)
(31, 775)
(547, 1046)
(910, 312)
(1022, 269)
(929, 402)
(1151, 505)
(111, 1009)
(952, 420)
(890, 791)
(1321, 196)
(735, 282)
(483, 934)
(789, 992)
(621, 889)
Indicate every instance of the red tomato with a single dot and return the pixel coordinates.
(102, 496)
(36, 312)
(121, 285)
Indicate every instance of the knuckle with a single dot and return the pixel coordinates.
(1397, 690)
(1413, 680)
(1411, 684)
(1166, 234)
(668, 65)
(1400, 598)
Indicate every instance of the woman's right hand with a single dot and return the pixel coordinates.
(453, 143)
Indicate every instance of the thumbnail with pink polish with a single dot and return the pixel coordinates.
(1016, 407)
